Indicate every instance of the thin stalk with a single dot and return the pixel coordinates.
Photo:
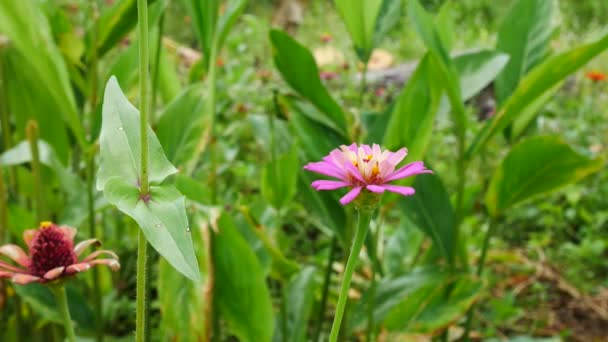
(208, 288)
(365, 217)
(363, 84)
(480, 266)
(32, 137)
(62, 304)
(90, 175)
(326, 284)
(376, 267)
(155, 72)
(142, 277)
(211, 80)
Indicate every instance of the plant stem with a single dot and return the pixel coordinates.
(363, 83)
(62, 304)
(155, 74)
(142, 277)
(326, 282)
(480, 267)
(365, 217)
(211, 80)
(142, 16)
(32, 137)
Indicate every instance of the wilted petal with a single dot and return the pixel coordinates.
(16, 253)
(351, 195)
(326, 169)
(403, 190)
(328, 185)
(6, 274)
(408, 170)
(112, 263)
(98, 253)
(77, 268)
(23, 279)
(54, 273)
(11, 268)
(82, 245)
(28, 236)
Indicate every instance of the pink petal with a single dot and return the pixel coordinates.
(28, 236)
(328, 185)
(98, 253)
(82, 245)
(396, 157)
(408, 170)
(353, 171)
(326, 169)
(69, 232)
(16, 253)
(77, 268)
(403, 190)
(54, 273)
(375, 188)
(376, 150)
(366, 149)
(23, 279)
(112, 263)
(351, 195)
(11, 268)
(6, 274)
(352, 147)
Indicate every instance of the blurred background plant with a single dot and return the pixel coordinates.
(262, 237)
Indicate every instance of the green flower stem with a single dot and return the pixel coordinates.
(32, 137)
(62, 304)
(365, 217)
(480, 266)
(326, 282)
(142, 277)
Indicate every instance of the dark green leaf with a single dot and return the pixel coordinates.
(535, 166)
(299, 299)
(360, 17)
(478, 69)
(241, 294)
(279, 179)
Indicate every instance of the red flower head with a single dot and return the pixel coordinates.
(52, 255)
(596, 76)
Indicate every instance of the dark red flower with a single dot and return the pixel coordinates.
(52, 255)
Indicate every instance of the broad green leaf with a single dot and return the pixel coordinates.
(41, 299)
(360, 19)
(241, 292)
(390, 292)
(444, 22)
(542, 79)
(427, 309)
(431, 210)
(185, 115)
(298, 67)
(478, 69)
(162, 217)
(28, 29)
(299, 298)
(412, 118)
(279, 178)
(524, 36)
(446, 73)
(535, 166)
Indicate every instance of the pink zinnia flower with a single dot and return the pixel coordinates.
(52, 255)
(364, 167)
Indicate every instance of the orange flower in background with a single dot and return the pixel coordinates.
(596, 76)
(52, 255)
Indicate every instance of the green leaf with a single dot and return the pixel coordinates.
(279, 178)
(29, 31)
(185, 115)
(241, 292)
(427, 309)
(162, 217)
(388, 18)
(233, 9)
(524, 35)
(535, 166)
(536, 84)
(299, 299)
(447, 73)
(390, 292)
(204, 16)
(412, 118)
(431, 210)
(478, 69)
(444, 22)
(298, 68)
(360, 19)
